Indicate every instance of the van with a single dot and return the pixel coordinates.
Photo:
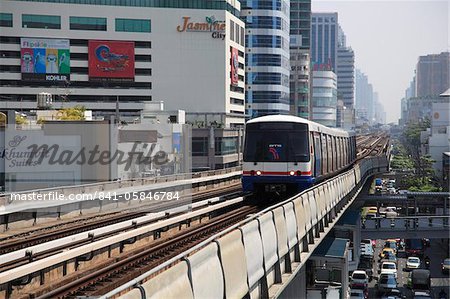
(366, 250)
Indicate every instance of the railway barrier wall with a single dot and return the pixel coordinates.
(26, 213)
(263, 254)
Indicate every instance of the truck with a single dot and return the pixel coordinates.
(414, 247)
(420, 280)
(378, 182)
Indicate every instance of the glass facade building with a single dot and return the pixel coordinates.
(267, 56)
(324, 39)
(300, 43)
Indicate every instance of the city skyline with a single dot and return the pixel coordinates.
(422, 28)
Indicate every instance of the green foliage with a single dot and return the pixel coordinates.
(408, 156)
(74, 113)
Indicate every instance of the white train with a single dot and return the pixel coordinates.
(288, 154)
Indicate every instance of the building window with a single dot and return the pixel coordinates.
(133, 25)
(225, 145)
(41, 21)
(199, 146)
(87, 23)
(6, 19)
(231, 30)
(237, 101)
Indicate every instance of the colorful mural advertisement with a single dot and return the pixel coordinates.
(234, 66)
(45, 59)
(111, 60)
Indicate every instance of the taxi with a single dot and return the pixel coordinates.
(392, 244)
(386, 252)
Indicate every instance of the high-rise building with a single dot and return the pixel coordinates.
(267, 56)
(379, 112)
(433, 74)
(324, 37)
(324, 98)
(345, 71)
(300, 32)
(189, 54)
(363, 98)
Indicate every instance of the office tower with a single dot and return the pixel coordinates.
(300, 32)
(267, 56)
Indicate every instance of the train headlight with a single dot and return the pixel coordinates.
(258, 172)
(292, 172)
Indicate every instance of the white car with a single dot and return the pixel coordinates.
(359, 278)
(413, 262)
(389, 268)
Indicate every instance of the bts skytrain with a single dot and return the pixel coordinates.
(288, 154)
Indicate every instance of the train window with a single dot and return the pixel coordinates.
(324, 154)
(330, 154)
(317, 155)
(334, 153)
(275, 142)
(347, 151)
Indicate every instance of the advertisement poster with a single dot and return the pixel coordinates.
(234, 66)
(45, 59)
(111, 60)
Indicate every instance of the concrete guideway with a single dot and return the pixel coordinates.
(102, 231)
(169, 183)
(59, 258)
(406, 227)
(25, 214)
(276, 242)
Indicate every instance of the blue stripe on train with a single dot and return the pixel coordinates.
(302, 182)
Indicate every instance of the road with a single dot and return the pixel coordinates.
(437, 252)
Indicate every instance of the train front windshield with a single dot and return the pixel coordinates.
(276, 142)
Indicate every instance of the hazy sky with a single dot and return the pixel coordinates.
(388, 37)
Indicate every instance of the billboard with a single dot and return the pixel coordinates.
(111, 60)
(234, 66)
(45, 59)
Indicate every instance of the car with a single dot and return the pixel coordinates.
(445, 266)
(369, 241)
(386, 282)
(388, 268)
(385, 210)
(393, 294)
(389, 258)
(359, 279)
(358, 294)
(421, 295)
(385, 252)
(373, 210)
(413, 262)
(366, 250)
(366, 264)
(392, 244)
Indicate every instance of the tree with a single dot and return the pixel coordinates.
(424, 178)
(74, 113)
